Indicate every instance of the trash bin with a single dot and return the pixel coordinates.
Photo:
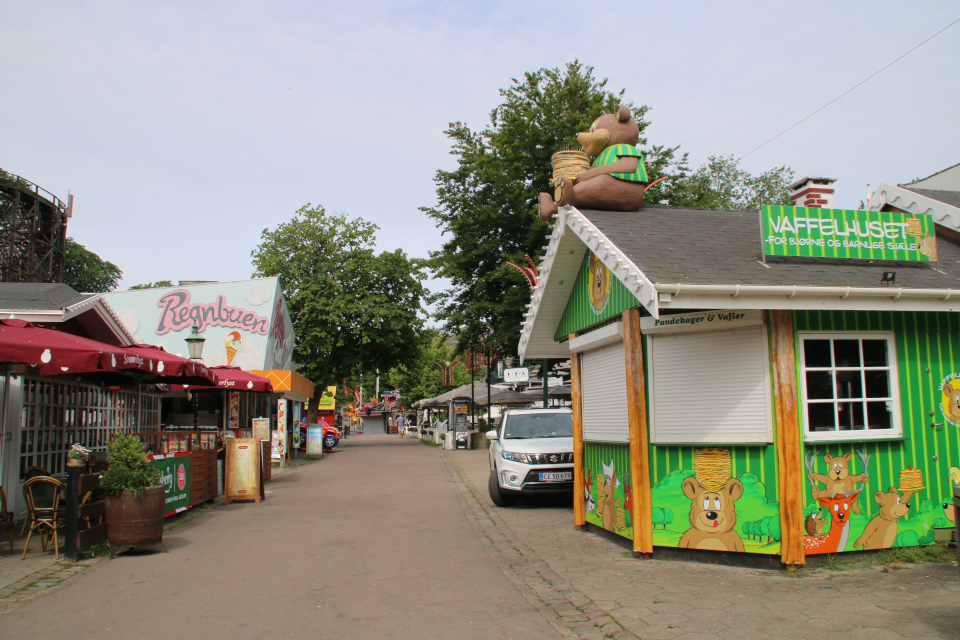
(956, 524)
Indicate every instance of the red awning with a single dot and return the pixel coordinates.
(53, 352)
(231, 379)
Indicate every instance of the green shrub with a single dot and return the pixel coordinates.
(129, 468)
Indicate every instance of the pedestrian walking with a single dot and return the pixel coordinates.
(400, 424)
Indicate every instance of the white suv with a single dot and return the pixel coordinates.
(531, 452)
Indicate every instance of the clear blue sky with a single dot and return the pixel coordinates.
(183, 129)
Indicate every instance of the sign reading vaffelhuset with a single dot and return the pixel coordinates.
(847, 234)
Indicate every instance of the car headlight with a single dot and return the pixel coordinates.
(515, 457)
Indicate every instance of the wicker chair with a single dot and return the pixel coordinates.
(44, 513)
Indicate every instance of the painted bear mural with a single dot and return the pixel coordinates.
(713, 516)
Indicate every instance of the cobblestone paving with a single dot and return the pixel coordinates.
(588, 587)
(35, 584)
(23, 580)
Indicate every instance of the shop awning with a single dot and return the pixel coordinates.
(283, 380)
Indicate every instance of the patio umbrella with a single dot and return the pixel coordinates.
(149, 363)
(231, 379)
(51, 352)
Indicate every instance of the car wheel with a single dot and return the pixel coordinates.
(329, 441)
(500, 497)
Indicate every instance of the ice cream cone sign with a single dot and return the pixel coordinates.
(232, 344)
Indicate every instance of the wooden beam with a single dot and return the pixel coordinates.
(789, 444)
(579, 508)
(639, 434)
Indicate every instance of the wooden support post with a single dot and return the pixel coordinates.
(789, 454)
(579, 508)
(639, 435)
(73, 503)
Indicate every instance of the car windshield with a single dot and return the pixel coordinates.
(539, 425)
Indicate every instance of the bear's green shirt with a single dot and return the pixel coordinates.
(614, 153)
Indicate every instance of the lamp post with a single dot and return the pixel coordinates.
(195, 347)
(195, 343)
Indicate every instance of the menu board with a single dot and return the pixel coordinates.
(242, 479)
(261, 428)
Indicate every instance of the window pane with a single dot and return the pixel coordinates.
(819, 385)
(821, 416)
(849, 385)
(879, 415)
(850, 416)
(878, 384)
(875, 353)
(816, 353)
(846, 353)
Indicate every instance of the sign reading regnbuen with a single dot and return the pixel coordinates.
(847, 234)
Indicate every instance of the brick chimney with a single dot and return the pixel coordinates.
(812, 192)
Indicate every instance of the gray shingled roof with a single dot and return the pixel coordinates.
(695, 246)
(951, 198)
(39, 296)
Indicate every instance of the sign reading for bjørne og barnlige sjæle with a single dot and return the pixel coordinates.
(847, 234)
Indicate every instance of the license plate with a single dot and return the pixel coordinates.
(556, 476)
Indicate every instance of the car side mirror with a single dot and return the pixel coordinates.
(491, 435)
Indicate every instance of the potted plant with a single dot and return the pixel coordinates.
(78, 456)
(135, 501)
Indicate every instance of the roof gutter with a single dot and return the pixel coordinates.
(737, 290)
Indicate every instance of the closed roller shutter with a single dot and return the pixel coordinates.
(710, 387)
(603, 383)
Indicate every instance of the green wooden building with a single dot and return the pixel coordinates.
(783, 383)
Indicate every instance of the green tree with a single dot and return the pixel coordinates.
(748, 529)
(87, 272)
(487, 206)
(656, 516)
(352, 310)
(418, 376)
(722, 183)
(667, 517)
(774, 529)
(153, 285)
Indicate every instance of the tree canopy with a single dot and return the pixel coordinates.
(87, 272)
(353, 310)
(487, 205)
(153, 285)
(418, 377)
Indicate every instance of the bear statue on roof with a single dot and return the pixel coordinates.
(616, 180)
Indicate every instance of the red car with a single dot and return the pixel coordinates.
(331, 436)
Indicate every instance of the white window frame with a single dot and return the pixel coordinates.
(896, 431)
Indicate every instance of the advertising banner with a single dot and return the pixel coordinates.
(328, 401)
(847, 234)
(242, 478)
(175, 478)
(281, 431)
(315, 441)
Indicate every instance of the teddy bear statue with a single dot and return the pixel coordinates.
(617, 179)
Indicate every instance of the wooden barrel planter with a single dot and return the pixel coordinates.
(136, 521)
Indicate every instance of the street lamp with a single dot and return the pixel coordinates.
(195, 343)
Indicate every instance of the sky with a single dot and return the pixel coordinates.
(184, 129)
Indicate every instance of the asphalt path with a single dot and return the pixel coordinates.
(371, 542)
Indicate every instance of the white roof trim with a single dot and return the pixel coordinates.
(912, 202)
(702, 296)
(548, 294)
(615, 260)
